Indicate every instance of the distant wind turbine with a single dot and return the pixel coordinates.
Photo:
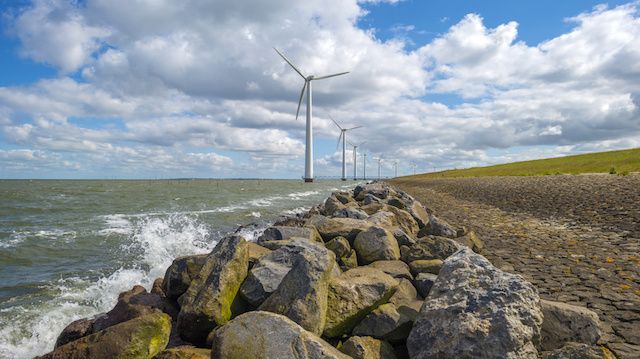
(355, 158)
(379, 159)
(364, 166)
(395, 165)
(414, 165)
(343, 136)
(308, 158)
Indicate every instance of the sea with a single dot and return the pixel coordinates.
(69, 247)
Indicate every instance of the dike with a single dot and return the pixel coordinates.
(370, 273)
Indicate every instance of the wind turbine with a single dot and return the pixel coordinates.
(414, 165)
(355, 157)
(308, 154)
(379, 159)
(343, 136)
(395, 165)
(364, 166)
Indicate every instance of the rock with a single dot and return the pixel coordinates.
(579, 351)
(367, 348)
(471, 240)
(355, 213)
(302, 293)
(376, 244)
(395, 202)
(403, 238)
(405, 294)
(180, 274)
(282, 233)
(132, 304)
(389, 321)
(568, 323)
(430, 248)
(369, 199)
(266, 275)
(184, 352)
(425, 266)
(355, 294)
(423, 283)
(207, 302)
(344, 197)
(268, 335)
(396, 269)
(405, 221)
(418, 212)
(331, 205)
(384, 219)
(256, 252)
(142, 337)
(350, 261)
(372, 208)
(75, 330)
(438, 227)
(339, 246)
(357, 189)
(474, 308)
(330, 228)
(157, 287)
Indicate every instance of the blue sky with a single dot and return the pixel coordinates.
(128, 89)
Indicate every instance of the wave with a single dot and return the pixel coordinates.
(17, 238)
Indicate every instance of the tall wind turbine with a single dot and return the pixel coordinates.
(395, 165)
(379, 159)
(343, 136)
(364, 166)
(308, 154)
(414, 165)
(355, 158)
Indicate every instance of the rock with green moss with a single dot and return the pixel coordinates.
(330, 228)
(349, 261)
(375, 244)
(367, 348)
(279, 233)
(184, 352)
(339, 246)
(389, 321)
(431, 247)
(355, 294)
(207, 302)
(395, 268)
(405, 220)
(180, 273)
(142, 337)
(263, 335)
(431, 266)
(302, 293)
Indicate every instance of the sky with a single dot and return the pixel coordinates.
(173, 89)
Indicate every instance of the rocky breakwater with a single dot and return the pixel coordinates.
(370, 273)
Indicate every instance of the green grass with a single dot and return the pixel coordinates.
(613, 162)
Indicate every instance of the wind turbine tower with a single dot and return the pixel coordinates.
(343, 137)
(379, 165)
(414, 168)
(355, 158)
(395, 165)
(364, 166)
(308, 158)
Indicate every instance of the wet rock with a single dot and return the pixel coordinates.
(430, 248)
(431, 266)
(395, 268)
(180, 273)
(339, 246)
(157, 287)
(184, 352)
(142, 337)
(330, 228)
(355, 294)
(354, 213)
(302, 293)
(268, 335)
(207, 302)
(423, 283)
(374, 244)
(579, 351)
(474, 308)
(568, 323)
(367, 348)
(279, 233)
(75, 330)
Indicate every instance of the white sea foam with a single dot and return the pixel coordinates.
(116, 224)
(53, 234)
(159, 240)
(301, 195)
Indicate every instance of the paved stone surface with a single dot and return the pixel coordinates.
(577, 238)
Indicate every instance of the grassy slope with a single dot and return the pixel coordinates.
(623, 161)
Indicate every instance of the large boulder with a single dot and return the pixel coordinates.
(568, 323)
(302, 293)
(266, 275)
(142, 337)
(180, 273)
(431, 247)
(339, 246)
(367, 348)
(439, 227)
(389, 321)
(405, 220)
(419, 213)
(353, 295)
(350, 212)
(207, 302)
(278, 233)
(375, 244)
(330, 228)
(263, 335)
(384, 219)
(256, 252)
(75, 330)
(475, 310)
(331, 205)
(395, 268)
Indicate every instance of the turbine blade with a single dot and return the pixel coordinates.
(334, 121)
(290, 64)
(301, 96)
(353, 128)
(339, 138)
(362, 143)
(327, 76)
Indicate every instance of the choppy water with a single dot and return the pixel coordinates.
(67, 248)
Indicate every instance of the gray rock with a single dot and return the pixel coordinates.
(180, 273)
(403, 238)
(373, 208)
(367, 348)
(355, 294)
(344, 197)
(302, 293)
(374, 244)
(384, 219)
(339, 246)
(256, 252)
(348, 212)
(330, 228)
(370, 198)
(438, 227)
(266, 275)
(405, 221)
(389, 321)
(423, 283)
(568, 323)
(419, 213)
(267, 335)
(278, 233)
(207, 302)
(395, 268)
(578, 351)
(332, 205)
(430, 248)
(405, 294)
(396, 202)
(474, 310)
